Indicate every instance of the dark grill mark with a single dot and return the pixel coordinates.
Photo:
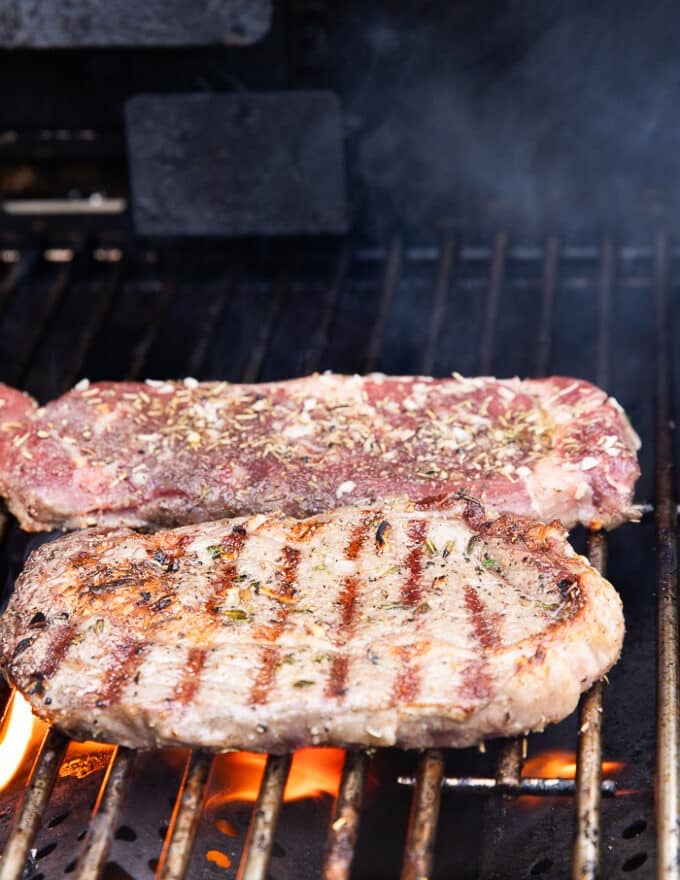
(233, 545)
(337, 677)
(191, 677)
(412, 587)
(286, 575)
(476, 683)
(126, 659)
(409, 679)
(59, 645)
(348, 600)
(484, 624)
(356, 542)
(348, 606)
(268, 664)
(214, 604)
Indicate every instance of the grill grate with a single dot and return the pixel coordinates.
(261, 313)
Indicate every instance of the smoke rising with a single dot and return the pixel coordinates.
(545, 114)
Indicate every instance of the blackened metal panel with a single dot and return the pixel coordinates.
(44, 24)
(237, 164)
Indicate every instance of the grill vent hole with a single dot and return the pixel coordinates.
(57, 820)
(82, 834)
(113, 871)
(634, 862)
(126, 833)
(46, 850)
(541, 867)
(163, 830)
(153, 864)
(70, 868)
(634, 829)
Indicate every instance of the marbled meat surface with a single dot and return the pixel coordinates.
(169, 453)
(357, 627)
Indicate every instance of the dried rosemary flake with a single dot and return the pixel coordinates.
(236, 614)
(488, 561)
(430, 546)
(448, 549)
(303, 683)
(215, 550)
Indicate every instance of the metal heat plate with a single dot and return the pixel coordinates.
(83, 23)
(237, 164)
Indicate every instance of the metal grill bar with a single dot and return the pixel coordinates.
(53, 299)
(186, 815)
(322, 332)
(447, 260)
(209, 330)
(500, 247)
(668, 702)
(344, 828)
(264, 820)
(607, 277)
(538, 786)
(254, 367)
(389, 285)
(141, 350)
(34, 801)
(100, 309)
(112, 793)
(586, 853)
(422, 826)
(548, 287)
(509, 765)
(16, 271)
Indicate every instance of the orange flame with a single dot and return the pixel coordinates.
(20, 735)
(562, 764)
(314, 772)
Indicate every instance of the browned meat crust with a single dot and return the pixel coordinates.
(357, 627)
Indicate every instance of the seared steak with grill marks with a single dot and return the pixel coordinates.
(167, 453)
(393, 626)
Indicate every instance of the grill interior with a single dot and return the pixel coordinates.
(247, 311)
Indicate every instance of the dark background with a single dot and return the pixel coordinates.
(545, 114)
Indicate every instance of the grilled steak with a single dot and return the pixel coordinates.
(360, 626)
(167, 453)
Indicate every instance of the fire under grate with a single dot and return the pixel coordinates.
(254, 312)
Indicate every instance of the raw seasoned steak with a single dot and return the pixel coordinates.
(355, 627)
(166, 453)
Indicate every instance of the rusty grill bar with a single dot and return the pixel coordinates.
(430, 784)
